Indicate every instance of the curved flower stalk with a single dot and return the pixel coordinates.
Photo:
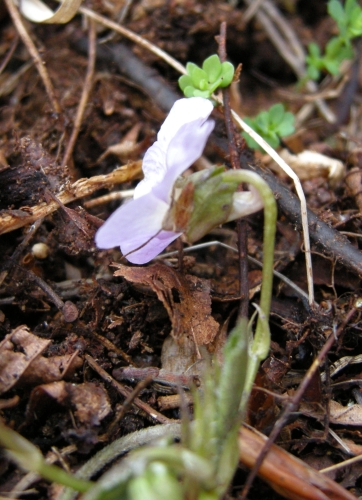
(162, 209)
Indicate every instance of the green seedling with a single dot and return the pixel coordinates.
(339, 48)
(202, 82)
(271, 125)
(348, 18)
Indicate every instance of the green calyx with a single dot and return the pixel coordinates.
(204, 203)
(202, 82)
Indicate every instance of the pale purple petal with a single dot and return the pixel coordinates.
(154, 168)
(185, 148)
(153, 248)
(180, 142)
(137, 226)
(135, 222)
(184, 111)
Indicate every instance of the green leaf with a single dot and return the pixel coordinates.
(314, 50)
(287, 126)
(227, 74)
(198, 77)
(313, 72)
(190, 91)
(212, 66)
(184, 81)
(201, 93)
(276, 114)
(336, 11)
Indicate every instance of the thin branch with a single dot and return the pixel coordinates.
(85, 94)
(33, 51)
(241, 225)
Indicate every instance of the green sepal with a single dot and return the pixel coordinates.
(212, 204)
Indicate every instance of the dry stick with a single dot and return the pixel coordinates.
(293, 403)
(85, 94)
(79, 189)
(241, 224)
(154, 414)
(9, 54)
(28, 42)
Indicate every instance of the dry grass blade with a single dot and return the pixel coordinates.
(299, 189)
(33, 51)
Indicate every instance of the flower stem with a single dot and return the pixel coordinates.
(261, 343)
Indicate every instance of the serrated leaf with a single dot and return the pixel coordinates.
(313, 72)
(262, 121)
(212, 66)
(190, 67)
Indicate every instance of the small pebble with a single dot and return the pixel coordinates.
(40, 250)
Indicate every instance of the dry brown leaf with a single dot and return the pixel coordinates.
(344, 415)
(89, 401)
(18, 351)
(45, 370)
(186, 299)
(288, 475)
(21, 361)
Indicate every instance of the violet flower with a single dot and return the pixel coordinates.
(136, 226)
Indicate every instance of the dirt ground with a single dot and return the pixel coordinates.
(69, 327)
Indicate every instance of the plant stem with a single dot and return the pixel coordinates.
(260, 345)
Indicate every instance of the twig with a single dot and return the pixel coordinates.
(293, 403)
(9, 54)
(80, 189)
(154, 414)
(241, 225)
(29, 44)
(19, 249)
(69, 310)
(85, 93)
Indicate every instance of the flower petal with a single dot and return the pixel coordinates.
(245, 203)
(136, 224)
(154, 168)
(184, 149)
(180, 142)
